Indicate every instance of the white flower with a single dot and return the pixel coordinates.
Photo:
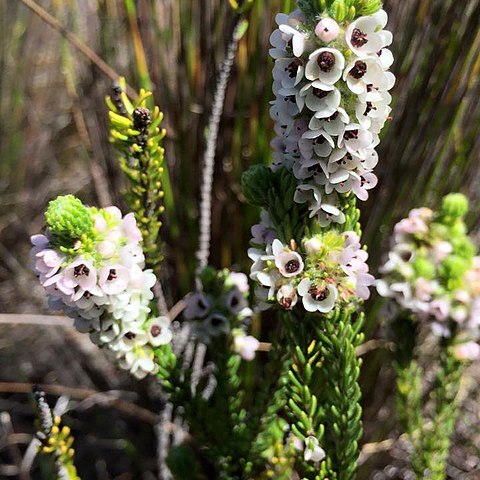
(197, 305)
(316, 142)
(235, 301)
(356, 140)
(327, 29)
(365, 35)
(159, 332)
(81, 273)
(364, 74)
(322, 99)
(312, 245)
(216, 324)
(287, 296)
(288, 71)
(289, 263)
(317, 298)
(113, 279)
(313, 452)
(246, 346)
(287, 37)
(326, 65)
(311, 195)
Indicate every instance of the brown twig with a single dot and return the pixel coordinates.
(76, 42)
(105, 398)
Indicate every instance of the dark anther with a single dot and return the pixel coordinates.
(326, 61)
(318, 294)
(81, 270)
(293, 67)
(359, 39)
(350, 134)
(292, 266)
(359, 69)
(112, 275)
(155, 331)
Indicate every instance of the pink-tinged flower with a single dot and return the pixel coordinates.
(106, 249)
(159, 332)
(114, 212)
(467, 351)
(288, 262)
(317, 297)
(240, 280)
(130, 229)
(360, 186)
(356, 140)
(81, 273)
(114, 279)
(363, 281)
(246, 346)
(287, 296)
(440, 309)
(327, 29)
(197, 305)
(48, 262)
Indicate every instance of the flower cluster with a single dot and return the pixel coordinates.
(326, 270)
(222, 308)
(91, 265)
(433, 272)
(331, 85)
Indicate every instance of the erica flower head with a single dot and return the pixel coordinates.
(325, 271)
(91, 264)
(431, 268)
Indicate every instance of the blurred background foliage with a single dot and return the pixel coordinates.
(54, 140)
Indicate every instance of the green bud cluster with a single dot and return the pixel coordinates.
(70, 224)
(339, 10)
(136, 133)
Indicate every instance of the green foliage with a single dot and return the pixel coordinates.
(69, 221)
(182, 463)
(274, 191)
(340, 10)
(136, 133)
(429, 427)
(339, 335)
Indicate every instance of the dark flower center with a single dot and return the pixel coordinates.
(319, 140)
(216, 321)
(326, 61)
(318, 294)
(80, 270)
(319, 93)
(155, 331)
(350, 135)
(293, 67)
(359, 69)
(292, 266)
(290, 98)
(112, 275)
(359, 38)
(130, 335)
(286, 302)
(369, 108)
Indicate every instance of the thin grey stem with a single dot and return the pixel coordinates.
(203, 252)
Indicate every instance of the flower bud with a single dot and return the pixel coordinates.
(327, 29)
